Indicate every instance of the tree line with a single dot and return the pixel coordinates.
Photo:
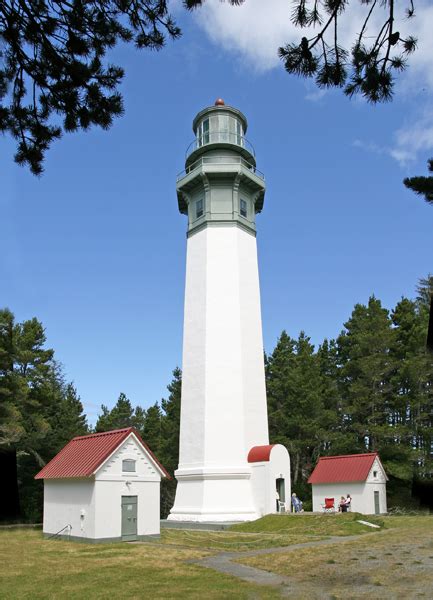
(370, 389)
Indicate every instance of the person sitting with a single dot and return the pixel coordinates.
(296, 503)
(342, 507)
(348, 502)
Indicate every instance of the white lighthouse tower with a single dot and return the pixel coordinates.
(227, 470)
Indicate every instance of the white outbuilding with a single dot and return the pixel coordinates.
(360, 475)
(103, 487)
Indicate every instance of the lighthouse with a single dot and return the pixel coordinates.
(227, 469)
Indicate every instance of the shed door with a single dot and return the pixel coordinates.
(376, 503)
(129, 518)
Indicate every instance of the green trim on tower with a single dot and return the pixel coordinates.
(220, 184)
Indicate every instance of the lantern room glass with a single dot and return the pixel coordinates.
(220, 128)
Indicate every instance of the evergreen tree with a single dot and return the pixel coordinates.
(366, 370)
(55, 77)
(367, 65)
(152, 429)
(53, 64)
(423, 186)
(337, 439)
(170, 424)
(67, 420)
(120, 416)
(169, 445)
(27, 387)
(39, 413)
(296, 409)
(412, 417)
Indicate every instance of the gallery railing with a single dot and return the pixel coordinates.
(217, 161)
(219, 137)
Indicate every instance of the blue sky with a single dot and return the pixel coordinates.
(95, 248)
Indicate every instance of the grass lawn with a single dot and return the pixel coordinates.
(270, 532)
(395, 563)
(34, 568)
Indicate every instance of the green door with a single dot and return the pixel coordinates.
(376, 503)
(129, 518)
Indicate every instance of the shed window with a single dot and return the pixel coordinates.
(128, 465)
(199, 208)
(243, 208)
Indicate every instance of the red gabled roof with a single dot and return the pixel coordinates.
(82, 456)
(335, 469)
(260, 453)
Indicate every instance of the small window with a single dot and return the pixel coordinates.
(199, 208)
(206, 131)
(239, 139)
(128, 465)
(243, 208)
(374, 474)
(203, 133)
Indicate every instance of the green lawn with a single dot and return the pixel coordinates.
(34, 568)
(271, 531)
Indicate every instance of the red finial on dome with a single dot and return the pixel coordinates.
(219, 102)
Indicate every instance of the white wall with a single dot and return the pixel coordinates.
(111, 483)
(129, 449)
(264, 479)
(108, 498)
(362, 495)
(64, 499)
(223, 410)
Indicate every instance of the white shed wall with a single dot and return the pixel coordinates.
(108, 500)
(64, 499)
(362, 495)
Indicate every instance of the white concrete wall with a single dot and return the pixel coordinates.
(129, 449)
(264, 480)
(111, 483)
(376, 474)
(279, 466)
(223, 411)
(64, 499)
(362, 495)
(108, 501)
(253, 365)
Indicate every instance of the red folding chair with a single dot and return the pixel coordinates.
(329, 506)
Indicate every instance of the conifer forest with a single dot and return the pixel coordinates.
(370, 389)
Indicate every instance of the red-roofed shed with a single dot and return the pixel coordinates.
(361, 476)
(103, 487)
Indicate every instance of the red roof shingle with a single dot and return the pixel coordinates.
(336, 469)
(82, 456)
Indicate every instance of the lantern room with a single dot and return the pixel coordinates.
(220, 126)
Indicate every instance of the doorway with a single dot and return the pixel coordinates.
(281, 491)
(376, 503)
(129, 518)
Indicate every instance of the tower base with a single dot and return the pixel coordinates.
(214, 494)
